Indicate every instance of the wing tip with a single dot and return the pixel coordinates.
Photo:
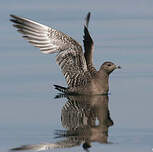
(12, 15)
(87, 19)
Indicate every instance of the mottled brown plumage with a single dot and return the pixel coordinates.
(77, 67)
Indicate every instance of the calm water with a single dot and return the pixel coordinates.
(123, 33)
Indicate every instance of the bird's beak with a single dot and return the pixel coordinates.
(118, 67)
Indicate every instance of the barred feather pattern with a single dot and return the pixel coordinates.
(76, 113)
(49, 40)
(73, 66)
(92, 70)
(70, 56)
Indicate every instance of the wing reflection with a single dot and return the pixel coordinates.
(86, 119)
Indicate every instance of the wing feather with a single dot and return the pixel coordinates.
(70, 56)
(88, 47)
(67, 143)
(37, 33)
(73, 66)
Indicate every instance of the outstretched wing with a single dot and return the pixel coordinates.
(88, 46)
(70, 56)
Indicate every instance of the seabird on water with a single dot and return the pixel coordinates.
(77, 67)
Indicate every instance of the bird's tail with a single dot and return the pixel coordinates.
(60, 88)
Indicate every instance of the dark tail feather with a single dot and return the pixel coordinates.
(60, 95)
(60, 88)
(64, 90)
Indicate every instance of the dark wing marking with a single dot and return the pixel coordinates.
(88, 46)
(88, 42)
(87, 19)
(70, 56)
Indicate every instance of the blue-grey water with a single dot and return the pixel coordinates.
(123, 33)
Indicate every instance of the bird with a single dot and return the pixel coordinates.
(77, 66)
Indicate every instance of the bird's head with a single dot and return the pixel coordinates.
(109, 67)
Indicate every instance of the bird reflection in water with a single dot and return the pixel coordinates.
(86, 119)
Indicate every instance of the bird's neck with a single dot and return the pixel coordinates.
(102, 79)
(103, 75)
